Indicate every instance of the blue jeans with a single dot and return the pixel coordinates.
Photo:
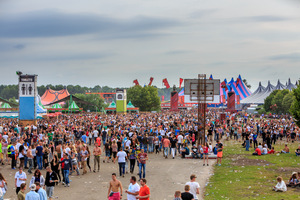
(166, 151)
(104, 140)
(247, 145)
(121, 168)
(39, 160)
(145, 147)
(25, 161)
(144, 170)
(150, 146)
(66, 175)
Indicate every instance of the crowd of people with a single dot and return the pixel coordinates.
(70, 143)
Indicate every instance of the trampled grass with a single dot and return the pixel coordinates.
(243, 176)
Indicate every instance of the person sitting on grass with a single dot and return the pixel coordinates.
(257, 152)
(264, 151)
(272, 151)
(293, 182)
(297, 151)
(285, 149)
(280, 187)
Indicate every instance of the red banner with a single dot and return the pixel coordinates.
(180, 82)
(166, 83)
(136, 82)
(151, 80)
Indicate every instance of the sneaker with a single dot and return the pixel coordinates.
(203, 164)
(68, 185)
(207, 164)
(65, 185)
(94, 171)
(219, 164)
(13, 168)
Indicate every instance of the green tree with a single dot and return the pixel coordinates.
(268, 101)
(277, 101)
(146, 98)
(95, 99)
(295, 108)
(287, 102)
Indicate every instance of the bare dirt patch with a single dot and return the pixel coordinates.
(240, 160)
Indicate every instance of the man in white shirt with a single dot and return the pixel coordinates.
(121, 156)
(133, 189)
(20, 178)
(179, 142)
(194, 186)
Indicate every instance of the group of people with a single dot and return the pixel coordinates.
(64, 143)
(294, 182)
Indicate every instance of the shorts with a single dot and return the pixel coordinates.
(114, 196)
(49, 191)
(205, 153)
(220, 154)
(114, 154)
(4, 151)
(107, 153)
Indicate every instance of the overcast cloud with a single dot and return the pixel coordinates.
(114, 42)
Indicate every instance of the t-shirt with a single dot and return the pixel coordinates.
(121, 156)
(193, 188)
(166, 142)
(21, 195)
(180, 138)
(83, 137)
(84, 153)
(142, 157)
(18, 176)
(144, 191)
(133, 188)
(258, 151)
(186, 196)
(39, 150)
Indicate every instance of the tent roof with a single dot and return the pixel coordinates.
(5, 105)
(74, 98)
(112, 105)
(73, 105)
(279, 86)
(130, 105)
(57, 105)
(6, 101)
(51, 96)
(290, 85)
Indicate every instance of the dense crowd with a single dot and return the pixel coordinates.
(69, 143)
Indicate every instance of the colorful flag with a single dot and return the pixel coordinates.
(151, 80)
(136, 82)
(211, 77)
(180, 82)
(165, 81)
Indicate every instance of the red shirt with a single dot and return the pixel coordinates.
(144, 191)
(258, 151)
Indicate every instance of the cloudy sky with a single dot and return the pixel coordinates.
(99, 42)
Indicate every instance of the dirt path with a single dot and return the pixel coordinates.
(164, 177)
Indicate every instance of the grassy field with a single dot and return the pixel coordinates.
(243, 176)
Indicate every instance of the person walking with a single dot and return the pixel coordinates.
(166, 145)
(194, 186)
(186, 195)
(133, 189)
(220, 153)
(66, 169)
(41, 191)
(144, 192)
(39, 155)
(142, 157)
(132, 158)
(115, 188)
(84, 156)
(51, 180)
(121, 156)
(32, 195)
(97, 153)
(20, 178)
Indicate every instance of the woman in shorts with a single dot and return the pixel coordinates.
(114, 149)
(205, 153)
